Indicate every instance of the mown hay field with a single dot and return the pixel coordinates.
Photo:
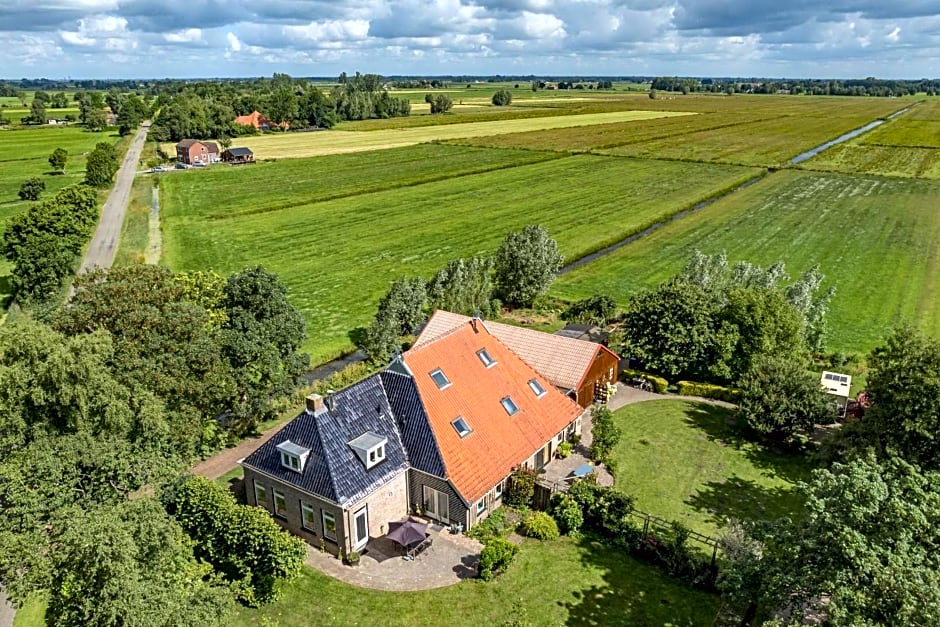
(24, 153)
(339, 256)
(907, 146)
(877, 240)
(292, 145)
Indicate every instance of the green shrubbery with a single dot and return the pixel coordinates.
(606, 434)
(708, 390)
(567, 512)
(540, 525)
(493, 526)
(496, 556)
(521, 488)
(659, 384)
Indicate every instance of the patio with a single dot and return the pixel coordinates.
(449, 559)
(558, 473)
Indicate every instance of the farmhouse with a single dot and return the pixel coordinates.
(259, 121)
(193, 151)
(238, 155)
(439, 431)
(581, 369)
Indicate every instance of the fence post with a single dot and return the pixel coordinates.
(714, 554)
(646, 525)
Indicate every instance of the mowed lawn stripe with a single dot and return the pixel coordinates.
(272, 185)
(875, 239)
(278, 145)
(338, 257)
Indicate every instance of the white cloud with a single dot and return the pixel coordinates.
(190, 35)
(233, 42)
(333, 30)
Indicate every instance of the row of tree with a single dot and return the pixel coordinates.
(816, 87)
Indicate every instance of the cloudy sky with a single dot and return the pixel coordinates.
(201, 38)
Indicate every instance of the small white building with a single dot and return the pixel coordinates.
(838, 385)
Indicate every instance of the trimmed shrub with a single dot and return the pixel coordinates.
(32, 188)
(659, 384)
(541, 526)
(521, 488)
(567, 513)
(496, 556)
(708, 390)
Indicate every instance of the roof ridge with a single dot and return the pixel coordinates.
(447, 333)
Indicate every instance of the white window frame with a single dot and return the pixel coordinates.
(307, 508)
(537, 388)
(290, 461)
(486, 358)
(440, 386)
(503, 401)
(376, 455)
(282, 510)
(481, 506)
(498, 490)
(326, 533)
(263, 489)
(462, 433)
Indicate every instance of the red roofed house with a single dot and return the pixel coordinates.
(440, 430)
(259, 121)
(193, 151)
(579, 368)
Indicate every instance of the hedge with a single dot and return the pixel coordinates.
(708, 390)
(659, 384)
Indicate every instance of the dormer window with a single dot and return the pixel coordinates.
(440, 379)
(369, 448)
(293, 456)
(509, 405)
(537, 388)
(462, 428)
(485, 357)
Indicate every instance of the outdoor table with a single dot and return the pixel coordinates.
(583, 470)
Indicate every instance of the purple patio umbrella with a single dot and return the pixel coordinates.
(407, 532)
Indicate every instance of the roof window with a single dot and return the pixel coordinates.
(537, 388)
(293, 456)
(369, 448)
(463, 429)
(509, 405)
(485, 357)
(440, 379)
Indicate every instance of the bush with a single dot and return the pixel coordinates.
(564, 449)
(521, 487)
(659, 384)
(541, 526)
(599, 310)
(32, 188)
(502, 98)
(606, 434)
(490, 527)
(567, 513)
(496, 556)
(708, 390)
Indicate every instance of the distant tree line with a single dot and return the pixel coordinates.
(815, 87)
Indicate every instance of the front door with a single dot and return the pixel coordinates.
(361, 527)
(436, 505)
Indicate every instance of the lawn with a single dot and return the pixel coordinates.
(339, 256)
(132, 247)
(281, 145)
(562, 582)
(684, 461)
(876, 240)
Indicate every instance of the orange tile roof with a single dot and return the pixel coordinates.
(562, 360)
(258, 120)
(499, 442)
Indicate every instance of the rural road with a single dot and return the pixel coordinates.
(6, 611)
(104, 243)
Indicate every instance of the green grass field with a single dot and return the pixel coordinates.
(685, 461)
(339, 256)
(561, 582)
(875, 239)
(293, 145)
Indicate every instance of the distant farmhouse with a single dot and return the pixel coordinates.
(259, 121)
(236, 156)
(193, 152)
(438, 432)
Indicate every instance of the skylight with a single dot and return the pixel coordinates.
(537, 388)
(509, 406)
(440, 379)
(463, 429)
(485, 358)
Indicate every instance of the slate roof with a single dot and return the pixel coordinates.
(498, 442)
(564, 361)
(413, 423)
(333, 471)
(239, 152)
(212, 147)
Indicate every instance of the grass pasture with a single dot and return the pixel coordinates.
(685, 461)
(339, 256)
(293, 145)
(877, 240)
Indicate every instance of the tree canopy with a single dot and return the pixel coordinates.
(526, 264)
(101, 166)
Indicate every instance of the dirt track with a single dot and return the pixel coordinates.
(103, 245)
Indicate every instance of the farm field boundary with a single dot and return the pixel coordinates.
(291, 145)
(339, 256)
(876, 240)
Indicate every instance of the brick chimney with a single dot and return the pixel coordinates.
(315, 404)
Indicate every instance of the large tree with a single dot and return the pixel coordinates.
(58, 159)
(463, 286)
(101, 166)
(400, 312)
(866, 550)
(781, 398)
(132, 112)
(526, 264)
